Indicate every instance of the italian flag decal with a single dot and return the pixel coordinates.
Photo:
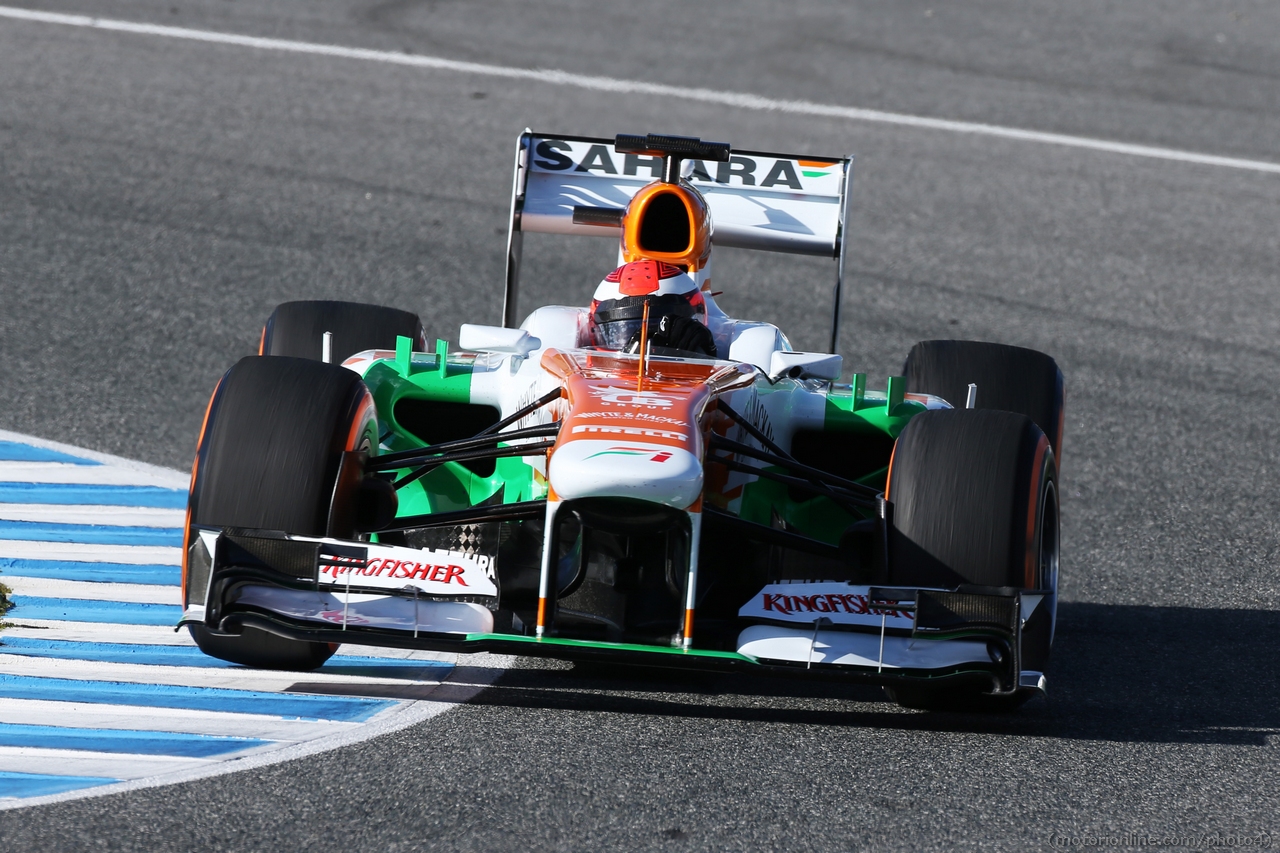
(660, 456)
(815, 168)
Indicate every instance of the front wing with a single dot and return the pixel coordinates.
(334, 591)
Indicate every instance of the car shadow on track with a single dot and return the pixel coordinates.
(1120, 673)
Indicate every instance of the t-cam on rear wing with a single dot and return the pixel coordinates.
(758, 200)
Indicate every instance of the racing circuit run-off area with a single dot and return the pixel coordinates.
(839, 426)
(96, 688)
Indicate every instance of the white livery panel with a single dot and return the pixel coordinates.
(335, 608)
(624, 467)
(851, 648)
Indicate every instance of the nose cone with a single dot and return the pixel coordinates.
(587, 468)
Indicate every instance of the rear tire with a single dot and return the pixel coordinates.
(1011, 379)
(975, 501)
(268, 458)
(297, 329)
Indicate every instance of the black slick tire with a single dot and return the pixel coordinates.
(1008, 378)
(975, 501)
(268, 458)
(297, 329)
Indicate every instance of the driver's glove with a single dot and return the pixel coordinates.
(686, 334)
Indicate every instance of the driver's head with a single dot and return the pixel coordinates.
(617, 309)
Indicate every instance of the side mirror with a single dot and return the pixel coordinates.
(819, 365)
(496, 339)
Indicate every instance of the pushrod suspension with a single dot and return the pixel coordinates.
(418, 456)
(842, 498)
(463, 456)
(549, 397)
(751, 428)
(471, 515)
(722, 443)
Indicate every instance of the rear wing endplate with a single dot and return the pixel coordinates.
(758, 200)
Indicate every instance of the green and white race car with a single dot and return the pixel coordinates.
(643, 480)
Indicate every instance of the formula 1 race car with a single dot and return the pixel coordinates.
(645, 480)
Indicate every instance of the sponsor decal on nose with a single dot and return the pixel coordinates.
(661, 456)
(634, 431)
(622, 397)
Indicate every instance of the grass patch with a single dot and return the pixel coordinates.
(5, 604)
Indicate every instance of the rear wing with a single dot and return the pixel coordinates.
(758, 200)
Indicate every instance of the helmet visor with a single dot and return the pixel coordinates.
(620, 334)
(615, 323)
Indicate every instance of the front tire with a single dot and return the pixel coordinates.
(268, 459)
(975, 501)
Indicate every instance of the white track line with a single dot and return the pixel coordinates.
(164, 635)
(149, 555)
(142, 473)
(92, 632)
(464, 683)
(45, 712)
(135, 593)
(239, 678)
(17, 471)
(76, 762)
(114, 516)
(740, 100)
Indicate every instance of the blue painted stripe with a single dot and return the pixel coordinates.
(90, 534)
(156, 655)
(124, 741)
(81, 493)
(40, 785)
(291, 706)
(12, 451)
(70, 570)
(88, 610)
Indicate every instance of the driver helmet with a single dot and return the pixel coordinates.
(617, 309)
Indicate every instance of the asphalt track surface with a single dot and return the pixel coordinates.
(158, 197)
